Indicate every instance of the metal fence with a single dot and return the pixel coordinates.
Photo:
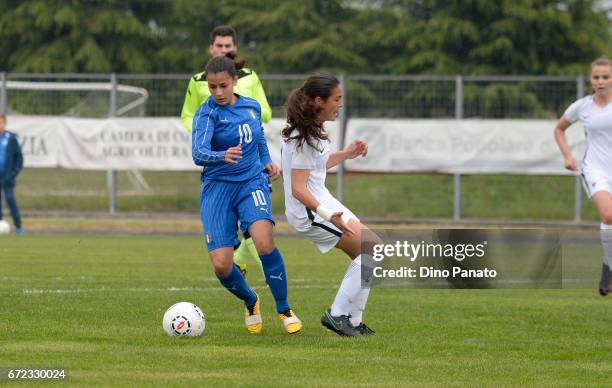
(154, 95)
(366, 96)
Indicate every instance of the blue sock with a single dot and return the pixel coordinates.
(274, 268)
(236, 284)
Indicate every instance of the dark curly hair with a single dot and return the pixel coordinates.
(302, 112)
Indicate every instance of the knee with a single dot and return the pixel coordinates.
(265, 247)
(369, 240)
(222, 270)
(606, 216)
(222, 267)
(10, 195)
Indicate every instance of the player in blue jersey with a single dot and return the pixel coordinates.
(228, 141)
(223, 42)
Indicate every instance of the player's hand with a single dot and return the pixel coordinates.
(570, 163)
(336, 219)
(233, 154)
(274, 172)
(356, 148)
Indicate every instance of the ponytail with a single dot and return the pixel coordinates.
(238, 64)
(302, 114)
(226, 64)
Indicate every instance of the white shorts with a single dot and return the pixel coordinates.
(324, 234)
(595, 180)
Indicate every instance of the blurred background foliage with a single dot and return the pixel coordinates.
(468, 37)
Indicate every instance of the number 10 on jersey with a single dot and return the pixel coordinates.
(245, 133)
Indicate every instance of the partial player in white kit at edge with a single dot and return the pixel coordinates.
(595, 113)
(310, 208)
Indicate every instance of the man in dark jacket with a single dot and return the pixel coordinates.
(11, 163)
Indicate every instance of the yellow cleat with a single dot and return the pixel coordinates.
(242, 267)
(252, 318)
(291, 322)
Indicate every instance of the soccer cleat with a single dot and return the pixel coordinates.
(340, 325)
(605, 283)
(19, 231)
(252, 318)
(364, 329)
(291, 322)
(242, 267)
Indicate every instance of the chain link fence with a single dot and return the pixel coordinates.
(158, 95)
(366, 96)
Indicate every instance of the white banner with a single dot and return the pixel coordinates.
(119, 143)
(40, 139)
(462, 146)
(102, 144)
(448, 146)
(126, 144)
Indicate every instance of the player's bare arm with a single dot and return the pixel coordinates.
(355, 149)
(299, 189)
(569, 160)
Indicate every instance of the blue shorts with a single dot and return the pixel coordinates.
(224, 203)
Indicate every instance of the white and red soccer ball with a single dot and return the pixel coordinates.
(184, 319)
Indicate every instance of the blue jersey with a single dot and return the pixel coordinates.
(219, 127)
(4, 140)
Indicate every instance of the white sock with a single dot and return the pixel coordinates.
(606, 242)
(367, 268)
(349, 289)
(358, 306)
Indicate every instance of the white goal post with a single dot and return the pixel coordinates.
(141, 93)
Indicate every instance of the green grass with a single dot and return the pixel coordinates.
(395, 196)
(94, 305)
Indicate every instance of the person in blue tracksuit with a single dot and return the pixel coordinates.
(228, 141)
(11, 163)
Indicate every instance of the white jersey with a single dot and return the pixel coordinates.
(307, 158)
(597, 122)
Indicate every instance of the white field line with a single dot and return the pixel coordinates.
(39, 291)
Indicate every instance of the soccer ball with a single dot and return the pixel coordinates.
(5, 228)
(184, 319)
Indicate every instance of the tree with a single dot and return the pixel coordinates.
(506, 37)
(276, 36)
(297, 37)
(77, 36)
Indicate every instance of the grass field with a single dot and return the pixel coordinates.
(93, 304)
(399, 196)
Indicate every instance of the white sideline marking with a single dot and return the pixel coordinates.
(39, 291)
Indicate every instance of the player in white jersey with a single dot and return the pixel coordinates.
(311, 209)
(595, 114)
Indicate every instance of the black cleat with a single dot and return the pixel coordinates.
(364, 329)
(340, 325)
(605, 283)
